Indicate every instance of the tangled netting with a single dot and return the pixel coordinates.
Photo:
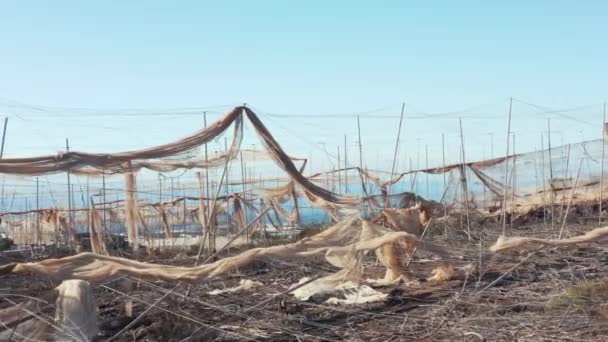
(485, 183)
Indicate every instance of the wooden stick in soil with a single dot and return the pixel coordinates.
(426, 226)
(509, 271)
(70, 216)
(260, 215)
(3, 137)
(514, 173)
(535, 170)
(465, 188)
(544, 180)
(38, 231)
(363, 186)
(206, 161)
(552, 194)
(565, 178)
(246, 228)
(388, 191)
(426, 166)
(345, 167)
(339, 173)
(578, 173)
(602, 167)
(138, 318)
(212, 213)
(202, 213)
(227, 188)
(445, 208)
(243, 180)
(504, 198)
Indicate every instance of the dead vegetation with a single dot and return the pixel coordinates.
(526, 294)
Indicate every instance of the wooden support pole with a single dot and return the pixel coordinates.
(552, 195)
(565, 180)
(211, 216)
(412, 175)
(89, 218)
(1, 156)
(602, 166)
(38, 231)
(535, 170)
(244, 182)
(463, 178)
(131, 211)
(578, 173)
(363, 185)
(70, 221)
(426, 148)
(491, 145)
(206, 161)
(103, 188)
(3, 138)
(246, 228)
(388, 191)
(345, 167)
(417, 167)
(339, 173)
(544, 180)
(444, 200)
(506, 185)
(514, 172)
(296, 209)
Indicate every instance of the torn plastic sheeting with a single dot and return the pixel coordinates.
(516, 242)
(356, 294)
(339, 243)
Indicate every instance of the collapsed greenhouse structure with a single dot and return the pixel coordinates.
(230, 222)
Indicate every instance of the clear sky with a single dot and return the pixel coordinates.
(74, 68)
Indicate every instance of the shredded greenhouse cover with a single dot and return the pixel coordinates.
(186, 153)
(505, 243)
(88, 163)
(341, 245)
(163, 157)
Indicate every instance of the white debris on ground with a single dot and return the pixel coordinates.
(244, 285)
(356, 294)
(353, 292)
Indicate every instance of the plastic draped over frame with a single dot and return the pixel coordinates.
(165, 157)
(184, 153)
(150, 158)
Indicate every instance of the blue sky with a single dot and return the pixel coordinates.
(87, 63)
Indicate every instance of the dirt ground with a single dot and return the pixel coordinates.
(533, 295)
